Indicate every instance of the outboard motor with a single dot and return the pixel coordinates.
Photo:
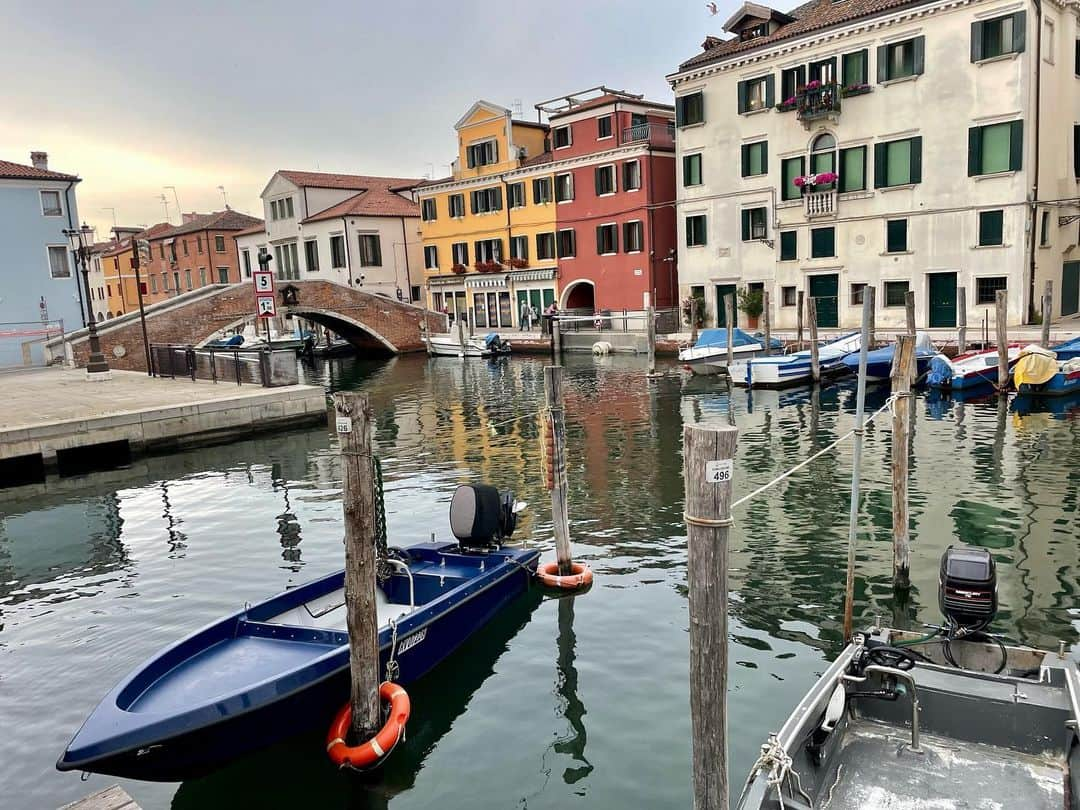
(481, 517)
(967, 587)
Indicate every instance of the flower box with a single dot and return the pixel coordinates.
(488, 267)
(517, 263)
(855, 90)
(459, 269)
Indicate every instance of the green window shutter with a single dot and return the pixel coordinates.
(770, 90)
(789, 245)
(975, 151)
(764, 150)
(920, 55)
(477, 252)
(680, 111)
(1016, 146)
(599, 239)
(497, 194)
(1076, 149)
(882, 63)
(745, 151)
(916, 160)
(596, 181)
(1019, 26)
(746, 224)
(742, 96)
(880, 164)
(976, 40)
(864, 66)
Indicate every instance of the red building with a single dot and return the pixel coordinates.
(613, 159)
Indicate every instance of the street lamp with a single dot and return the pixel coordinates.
(96, 363)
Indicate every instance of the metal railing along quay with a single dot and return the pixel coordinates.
(264, 366)
(667, 321)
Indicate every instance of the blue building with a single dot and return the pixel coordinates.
(39, 282)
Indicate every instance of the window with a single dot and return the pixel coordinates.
(755, 158)
(986, 288)
(695, 230)
(792, 82)
(560, 136)
(899, 60)
(1076, 66)
(487, 250)
(607, 239)
(59, 267)
(460, 251)
(519, 247)
(822, 243)
(198, 243)
(185, 247)
(854, 68)
(823, 154)
(427, 209)
(995, 148)
(311, 255)
(223, 275)
(486, 200)
(515, 195)
(604, 177)
(161, 250)
(788, 296)
(895, 293)
(996, 37)
(691, 170)
(753, 224)
(202, 276)
(456, 204)
(542, 190)
(50, 204)
(790, 168)
(789, 246)
(898, 163)
(853, 169)
(990, 228)
(896, 235)
(245, 257)
(337, 251)
(288, 208)
(370, 250)
(482, 154)
(1044, 229)
(431, 257)
(219, 244)
(414, 293)
(567, 244)
(187, 279)
(633, 236)
(631, 175)
(603, 127)
(823, 71)
(172, 251)
(690, 109)
(153, 284)
(545, 246)
(858, 290)
(755, 94)
(564, 187)
(176, 280)
(274, 210)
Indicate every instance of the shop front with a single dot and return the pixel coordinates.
(493, 300)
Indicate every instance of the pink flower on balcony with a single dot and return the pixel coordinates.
(800, 181)
(789, 101)
(825, 178)
(813, 84)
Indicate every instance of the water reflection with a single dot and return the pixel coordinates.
(573, 709)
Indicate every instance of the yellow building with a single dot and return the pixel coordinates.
(489, 229)
(120, 288)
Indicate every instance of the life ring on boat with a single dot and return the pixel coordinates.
(580, 576)
(378, 747)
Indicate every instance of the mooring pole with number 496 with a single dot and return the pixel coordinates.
(708, 461)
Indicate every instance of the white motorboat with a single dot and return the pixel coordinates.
(453, 346)
(709, 354)
(793, 369)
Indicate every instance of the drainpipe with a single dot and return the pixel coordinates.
(348, 249)
(71, 227)
(408, 275)
(1035, 163)
(652, 225)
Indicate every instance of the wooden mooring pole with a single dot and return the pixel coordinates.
(961, 317)
(461, 334)
(856, 465)
(556, 339)
(1047, 311)
(902, 371)
(693, 319)
(799, 315)
(352, 423)
(650, 316)
(1000, 315)
(729, 314)
(909, 311)
(708, 460)
(768, 322)
(811, 317)
(556, 438)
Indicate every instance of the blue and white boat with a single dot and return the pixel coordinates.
(278, 667)
(1041, 372)
(879, 361)
(793, 369)
(970, 370)
(1069, 350)
(709, 354)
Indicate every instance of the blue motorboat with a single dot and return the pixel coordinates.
(879, 361)
(793, 369)
(231, 342)
(709, 354)
(1041, 372)
(1069, 350)
(278, 667)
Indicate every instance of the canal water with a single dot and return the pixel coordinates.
(558, 702)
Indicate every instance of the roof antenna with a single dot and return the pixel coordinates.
(224, 196)
(517, 108)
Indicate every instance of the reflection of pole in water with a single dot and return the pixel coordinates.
(288, 527)
(177, 539)
(574, 709)
(997, 453)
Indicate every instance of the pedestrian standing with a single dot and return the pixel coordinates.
(525, 319)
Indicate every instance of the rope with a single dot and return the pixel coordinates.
(392, 668)
(380, 507)
(778, 763)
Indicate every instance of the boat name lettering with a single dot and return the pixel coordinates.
(412, 641)
(719, 471)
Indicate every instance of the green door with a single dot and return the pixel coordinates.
(1070, 288)
(721, 313)
(942, 299)
(522, 297)
(825, 290)
(549, 297)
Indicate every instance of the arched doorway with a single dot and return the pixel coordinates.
(579, 295)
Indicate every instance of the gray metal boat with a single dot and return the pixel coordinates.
(953, 718)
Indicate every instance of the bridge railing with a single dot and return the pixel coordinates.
(261, 366)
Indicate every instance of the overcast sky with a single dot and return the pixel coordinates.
(135, 96)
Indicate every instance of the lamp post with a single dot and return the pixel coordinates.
(97, 368)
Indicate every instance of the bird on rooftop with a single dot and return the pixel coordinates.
(712, 8)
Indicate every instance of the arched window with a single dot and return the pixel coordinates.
(823, 154)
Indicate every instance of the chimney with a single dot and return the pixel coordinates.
(186, 218)
(40, 160)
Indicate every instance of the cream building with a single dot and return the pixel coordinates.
(925, 146)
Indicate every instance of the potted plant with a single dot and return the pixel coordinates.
(688, 308)
(787, 104)
(823, 181)
(856, 89)
(751, 304)
(459, 269)
(518, 263)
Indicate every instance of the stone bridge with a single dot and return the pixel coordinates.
(375, 324)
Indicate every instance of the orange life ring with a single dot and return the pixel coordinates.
(378, 747)
(580, 576)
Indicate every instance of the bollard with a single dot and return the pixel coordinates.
(902, 371)
(811, 316)
(708, 461)
(352, 423)
(1002, 340)
(556, 442)
(961, 317)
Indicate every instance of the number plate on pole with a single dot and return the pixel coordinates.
(719, 472)
(343, 424)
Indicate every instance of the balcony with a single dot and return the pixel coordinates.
(817, 103)
(818, 204)
(653, 134)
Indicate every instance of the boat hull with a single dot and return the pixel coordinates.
(715, 361)
(449, 347)
(1060, 385)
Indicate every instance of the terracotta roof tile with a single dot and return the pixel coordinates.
(260, 228)
(227, 220)
(538, 160)
(17, 171)
(371, 202)
(358, 182)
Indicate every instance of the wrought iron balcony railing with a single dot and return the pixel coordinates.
(822, 101)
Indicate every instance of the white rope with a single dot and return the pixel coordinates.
(887, 406)
(778, 763)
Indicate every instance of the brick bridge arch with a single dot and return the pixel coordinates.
(374, 323)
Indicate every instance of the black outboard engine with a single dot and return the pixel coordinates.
(967, 587)
(481, 517)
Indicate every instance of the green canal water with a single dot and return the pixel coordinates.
(573, 702)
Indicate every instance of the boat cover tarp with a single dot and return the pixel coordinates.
(923, 348)
(1067, 350)
(1035, 366)
(941, 371)
(718, 337)
(491, 339)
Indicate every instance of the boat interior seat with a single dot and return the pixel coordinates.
(328, 612)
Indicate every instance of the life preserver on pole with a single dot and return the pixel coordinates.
(378, 747)
(580, 576)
